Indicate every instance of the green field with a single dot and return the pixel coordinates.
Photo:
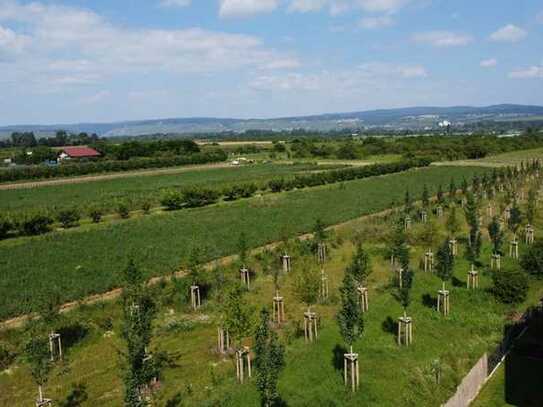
(136, 189)
(390, 375)
(88, 259)
(493, 393)
(500, 160)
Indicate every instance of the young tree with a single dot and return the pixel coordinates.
(139, 312)
(404, 293)
(243, 248)
(496, 235)
(193, 265)
(440, 195)
(514, 220)
(472, 217)
(360, 267)
(531, 206)
(350, 317)
(37, 356)
(452, 190)
(428, 234)
(464, 186)
(453, 223)
(445, 262)
(408, 202)
(239, 315)
(306, 285)
(319, 232)
(425, 197)
(270, 360)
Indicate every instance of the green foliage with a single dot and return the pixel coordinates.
(270, 360)
(496, 234)
(472, 217)
(453, 223)
(404, 293)
(510, 286)
(243, 248)
(306, 284)
(319, 232)
(425, 197)
(146, 206)
(350, 318)
(360, 267)
(408, 202)
(445, 262)
(96, 215)
(122, 210)
(531, 206)
(36, 354)
(195, 197)
(69, 218)
(7, 356)
(238, 314)
(398, 247)
(515, 219)
(240, 191)
(36, 223)
(6, 225)
(452, 190)
(440, 196)
(139, 311)
(429, 233)
(532, 260)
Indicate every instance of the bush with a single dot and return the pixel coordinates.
(123, 211)
(69, 218)
(240, 191)
(532, 261)
(96, 215)
(276, 185)
(172, 200)
(196, 197)
(510, 287)
(146, 207)
(35, 224)
(5, 226)
(7, 357)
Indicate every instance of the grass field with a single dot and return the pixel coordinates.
(137, 189)
(390, 375)
(88, 259)
(493, 393)
(500, 160)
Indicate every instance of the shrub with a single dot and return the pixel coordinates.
(123, 211)
(69, 218)
(532, 261)
(5, 226)
(196, 197)
(276, 185)
(146, 207)
(96, 215)
(35, 224)
(510, 287)
(172, 200)
(240, 191)
(7, 356)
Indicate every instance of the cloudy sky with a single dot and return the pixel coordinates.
(105, 60)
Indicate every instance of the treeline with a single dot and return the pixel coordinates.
(85, 168)
(61, 138)
(36, 223)
(137, 149)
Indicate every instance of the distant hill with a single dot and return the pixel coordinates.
(402, 118)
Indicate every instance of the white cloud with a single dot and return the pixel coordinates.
(69, 46)
(442, 39)
(509, 33)
(304, 6)
(174, 3)
(528, 73)
(371, 23)
(382, 5)
(488, 63)
(246, 8)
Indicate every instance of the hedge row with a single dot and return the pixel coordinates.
(85, 168)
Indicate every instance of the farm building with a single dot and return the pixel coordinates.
(78, 153)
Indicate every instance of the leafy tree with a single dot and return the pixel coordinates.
(194, 266)
(408, 202)
(531, 206)
(350, 318)
(510, 286)
(239, 315)
(319, 232)
(440, 198)
(404, 293)
(270, 360)
(496, 234)
(243, 248)
(425, 197)
(445, 262)
(453, 223)
(37, 356)
(428, 234)
(532, 261)
(515, 219)
(360, 267)
(306, 285)
(472, 217)
(464, 186)
(139, 311)
(452, 190)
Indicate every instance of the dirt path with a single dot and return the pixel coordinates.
(91, 178)
(18, 322)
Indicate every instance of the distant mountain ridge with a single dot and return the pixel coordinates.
(399, 118)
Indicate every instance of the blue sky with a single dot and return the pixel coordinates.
(100, 60)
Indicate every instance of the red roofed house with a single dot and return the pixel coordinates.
(78, 153)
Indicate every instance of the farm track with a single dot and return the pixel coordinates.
(127, 174)
(17, 322)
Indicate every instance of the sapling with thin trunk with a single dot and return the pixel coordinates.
(515, 219)
(445, 263)
(496, 235)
